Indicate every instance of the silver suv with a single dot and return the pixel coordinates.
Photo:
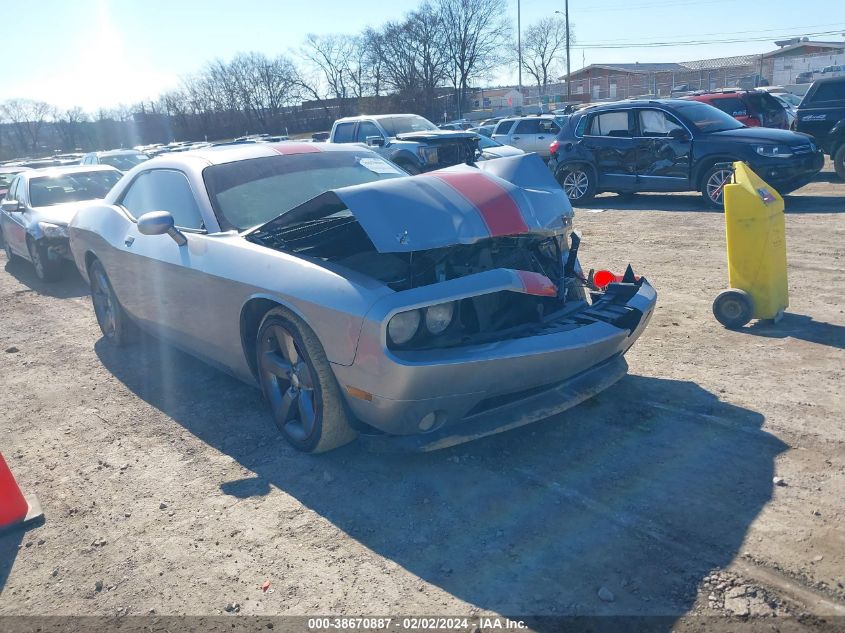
(528, 133)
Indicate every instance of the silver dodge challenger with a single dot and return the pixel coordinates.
(415, 312)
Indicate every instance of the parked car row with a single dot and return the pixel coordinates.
(417, 312)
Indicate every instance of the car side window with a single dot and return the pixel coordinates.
(164, 190)
(610, 124)
(528, 126)
(343, 133)
(657, 123)
(503, 127)
(549, 127)
(365, 129)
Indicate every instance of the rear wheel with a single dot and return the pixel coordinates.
(113, 322)
(839, 161)
(299, 385)
(733, 308)
(577, 182)
(713, 186)
(45, 269)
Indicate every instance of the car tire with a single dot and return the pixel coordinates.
(733, 308)
(45, 270)
(714, 181)
(839, 161)
(578, 182)
(113, 321)
(299, 385)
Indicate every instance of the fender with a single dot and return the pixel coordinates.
(701, 165)
(403, 155)
(836, 136)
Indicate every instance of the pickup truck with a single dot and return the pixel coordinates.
(822, 114)
(410, 141)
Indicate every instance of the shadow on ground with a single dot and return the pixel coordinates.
(9, 544)
(68, 286)
(794, 204)
(802, 327)
(643, 490)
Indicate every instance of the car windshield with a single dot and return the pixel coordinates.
(395, 125)
(250, 193)
(790, 98)
(6, 179)
(706, 118)
(124, 162)
(47, 191)
(485, 142)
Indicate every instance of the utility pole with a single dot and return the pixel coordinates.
(566, 25)
(568, 86)
(519, 40)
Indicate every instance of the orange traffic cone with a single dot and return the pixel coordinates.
(15, 509)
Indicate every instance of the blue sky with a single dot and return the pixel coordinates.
(98, 53)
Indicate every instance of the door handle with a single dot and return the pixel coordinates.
(541, 137)
(129, 241)
(516, 138)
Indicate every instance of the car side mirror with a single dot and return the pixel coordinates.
(12, 206)
(679, 134)
(160, 223)
(378, 141)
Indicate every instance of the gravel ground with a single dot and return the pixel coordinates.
(711, 480)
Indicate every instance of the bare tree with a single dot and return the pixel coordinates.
(544, 49)
(477, 36)
(28, 118)
(69, 126)
(331, 56)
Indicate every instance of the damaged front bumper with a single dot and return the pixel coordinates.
(439, 397)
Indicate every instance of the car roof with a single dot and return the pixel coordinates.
(245, 151)
(6, 169)
(829, 80)
(47, 172)
(361, 117)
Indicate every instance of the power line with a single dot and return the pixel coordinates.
(741, 40)
(791, 33)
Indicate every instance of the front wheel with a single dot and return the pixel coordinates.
(577, 182)
(113, 321)
(297, 381)
(839, 161)
(713, 186)
(45, 269)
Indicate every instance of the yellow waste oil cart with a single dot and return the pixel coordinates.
(756, 243)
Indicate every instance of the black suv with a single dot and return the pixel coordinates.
(673, 145)
(822, 114)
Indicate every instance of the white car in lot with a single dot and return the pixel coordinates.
(528, 133)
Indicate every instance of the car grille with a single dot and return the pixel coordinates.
(452, 153)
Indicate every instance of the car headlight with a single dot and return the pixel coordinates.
(52, 231)
(774, 151)
(403, 326)
(439, 317)
(427, 154)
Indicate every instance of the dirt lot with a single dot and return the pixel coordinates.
(166, 487)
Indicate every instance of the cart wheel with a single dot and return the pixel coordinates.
(733, 308)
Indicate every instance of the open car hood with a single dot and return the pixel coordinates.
(456, 205)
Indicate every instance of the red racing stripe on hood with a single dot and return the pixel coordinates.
(495, 205)
(286, 149)
(536, 284)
